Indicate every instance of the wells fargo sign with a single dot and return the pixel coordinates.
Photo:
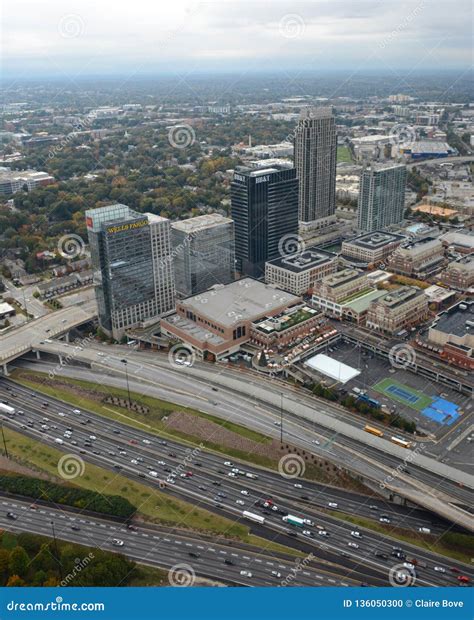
(128, 226)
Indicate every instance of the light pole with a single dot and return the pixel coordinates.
(56, 552)
(4, 442)
(281, 417)
(125, 363)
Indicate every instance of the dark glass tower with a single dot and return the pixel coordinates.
(264, 209)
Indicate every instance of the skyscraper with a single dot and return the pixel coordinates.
(203, 253)
(131, 256)
(264, 209)
(315, 162)
(381, 196)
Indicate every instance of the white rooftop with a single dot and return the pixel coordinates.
(330, 367)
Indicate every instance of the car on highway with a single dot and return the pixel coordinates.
(308, 533)
(146, 441)
(332, 504)
(276, 574)
(76, 411)
(93, 437)
(232, 475)
(356, 534)
(373, 507)
(277, 423)
(229, 562)
(246, 573)
(12, 516)
(297, 485)
(58, 440)
(244, 492)
(316, 442)
(240, 502)
(382, 556)
(134, 462)
(384, 520)
(229, 463)
(323, 533)
(160, 463)
(193, 554)
(117, 542)
(439, 569)
(76, 528)
(153, 474)
(172, 454)
(353, 545)
(308, 522)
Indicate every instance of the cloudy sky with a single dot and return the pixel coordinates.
(50, 37)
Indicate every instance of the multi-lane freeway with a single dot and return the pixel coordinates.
(148, 544)
(208, 480)
(250, 401)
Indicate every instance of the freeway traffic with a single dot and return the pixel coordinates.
(162, 548)
(204, 479)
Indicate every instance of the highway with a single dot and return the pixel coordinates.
(135, 454)
(376, 459)
(154, 546)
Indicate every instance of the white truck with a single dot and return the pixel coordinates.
(253, 517)
(292, 520)
(6, 408)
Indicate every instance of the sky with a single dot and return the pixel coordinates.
(83, 38)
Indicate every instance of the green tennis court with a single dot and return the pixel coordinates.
(403, 394)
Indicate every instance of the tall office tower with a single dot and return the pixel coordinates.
(131, 256)
(264, 205)
(381, 196)
(203, 253)
(315, 162)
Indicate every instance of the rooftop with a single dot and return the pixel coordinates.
(342, 277)
(399, 296)
(375, 240)
(466, 263)
(308, 259)
(455, 320)
(245, 299)
(285, 320)
(202, 222)
(418, 245)
(361, 303)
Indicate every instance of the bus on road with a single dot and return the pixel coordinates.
(373, 431)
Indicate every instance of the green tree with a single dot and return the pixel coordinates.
(19, 562)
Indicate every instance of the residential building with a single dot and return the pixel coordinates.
(264, 206)
(132, 260)
(203, 253)
(217, 322)
(372, 247)
(298, 273)
(315, 161)
(418, 258)
(381, 196)
(459, 274)
(396, 310)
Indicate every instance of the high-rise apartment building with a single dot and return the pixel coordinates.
(203, 253)
(381, 196)
(131, 256)
(265, 210)
(315, 162)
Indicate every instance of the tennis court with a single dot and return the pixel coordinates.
(442, 411)
(403, 394)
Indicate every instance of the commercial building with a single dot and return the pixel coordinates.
(264, 206)
(395, 311)
(217, 322)
(459, 274)
(427, 149)
(452, 333)
(132, 259)
(381, 196)
(340, 286)
(286, 328)
(6, 310)
(203, 253)
(373, 247)
(418, 258)
(315, 162)
(298, 273)
(458, 242)
(12, 181)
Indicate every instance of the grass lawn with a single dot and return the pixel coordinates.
(152, 504)
(343, 154)
(426, 541)
(422, 402)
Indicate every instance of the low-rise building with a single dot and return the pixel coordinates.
(6, 310)
(12, 181)
(340, 285)
(459, 242)
(452, 333)
(372, 247)
(285, 328)
(418, 258)
(298, 273)
(396, 310)
(217, 322)
(459, 274)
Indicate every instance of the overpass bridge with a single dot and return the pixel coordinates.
(27, 337)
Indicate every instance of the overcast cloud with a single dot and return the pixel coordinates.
(114, 36)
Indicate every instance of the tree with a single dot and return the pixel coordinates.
(15, 582)
(19, 561)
